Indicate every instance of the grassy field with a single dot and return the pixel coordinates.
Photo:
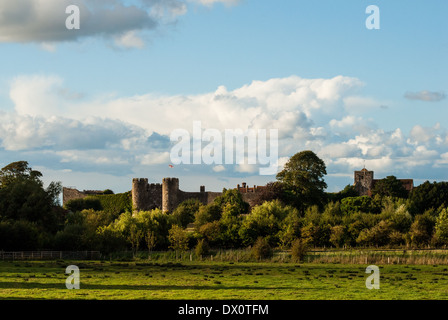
(219, 280)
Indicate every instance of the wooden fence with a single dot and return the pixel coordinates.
(50, 255)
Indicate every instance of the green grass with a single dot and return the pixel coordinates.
(219, 280)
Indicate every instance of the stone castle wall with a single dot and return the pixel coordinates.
(169, 196)
(166, 195)
(72, 193)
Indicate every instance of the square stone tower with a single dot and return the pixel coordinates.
(363, 182)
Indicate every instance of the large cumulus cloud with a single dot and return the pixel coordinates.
(133, 131)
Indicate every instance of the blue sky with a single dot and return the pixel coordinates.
(94, 107)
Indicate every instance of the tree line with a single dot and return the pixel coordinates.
(292, 212)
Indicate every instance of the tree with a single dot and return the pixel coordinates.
(302, 177)
(201, 248)
(262, 249)
(178, 238)
(389, 187)
(234, 198)
(365, 204)
(185, 211)
(151, 240)
(422, 229)
(264, 221)
(299, 249)
(429, 195)
(272, 191)
(441, 227)
(337, 236)
(209, 213)
(19, 170)
(135, 237)
(23, 197)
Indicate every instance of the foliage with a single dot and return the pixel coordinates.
(429, 196)
(264, 221)
(389, 187)
(348, 191)
(208, 213)
(178, 238)
(302, 177)
(23, 197)
(211, 232)
(185, 211)
(299, 249)
(230, 224)
(80, 204)
(338, 235)
(441, 227)
(272, 191)
(421, 230)
(365, 204)
(261, 249)
(234, 198)
(202, 248)
(379, 235)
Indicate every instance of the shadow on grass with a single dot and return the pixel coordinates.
(38, 285)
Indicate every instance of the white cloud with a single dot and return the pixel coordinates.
(129, 40)
(133, 132)
(219, 168)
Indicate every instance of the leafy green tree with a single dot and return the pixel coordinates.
(290, 228)
(348, 191)
(178, 238)
(201, 248)
(230, 224)
(83, 203)
(337, 236)
(135, 237)
(389, 187)
(264, 221)
(272, 191)
(185, 211)
(211, 232)
(262, 249)
(151, 240)
(303, 178)
(429, 196)
(379, 235)
(441, 227)
(234, 198)
(208, 213)
(23, 197)
(19, 170)
(19, 235)
(422, 229)
(365, 204)
(299, 249)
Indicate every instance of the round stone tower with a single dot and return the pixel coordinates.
(170, 190)
(139, 193)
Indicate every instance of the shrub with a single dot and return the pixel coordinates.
(299, 249)
(351, 205)
(201, 248)
(75, 205)
(208, 213)
(262, 249)
(185, 212)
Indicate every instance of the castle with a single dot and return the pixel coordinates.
(166, 196)
(364, 182)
